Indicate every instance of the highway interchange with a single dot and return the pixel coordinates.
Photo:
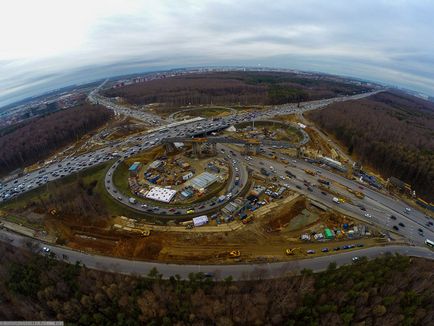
(379, 206)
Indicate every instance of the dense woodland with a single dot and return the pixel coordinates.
(387, 291)
(244, 88)
(392, 132)
(41, 137)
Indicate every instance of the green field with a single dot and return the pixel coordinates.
(206, 112)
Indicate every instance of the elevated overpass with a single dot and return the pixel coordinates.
(251, 145)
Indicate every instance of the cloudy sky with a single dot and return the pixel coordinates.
(47, 44)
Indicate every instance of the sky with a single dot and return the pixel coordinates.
(47, 44)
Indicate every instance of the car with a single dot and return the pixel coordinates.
(202, 206)
(310, 252)
(360, 245)
(324, 193)
(355, 259)
(212, 204)
(393, 217)
(396, 228)
(297, 186)
(46, 249)
(119, 198)
(368, 215)
(336, 248)
(209, 274)
(325, 249)
(401, 224)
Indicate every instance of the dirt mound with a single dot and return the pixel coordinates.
(283, 215)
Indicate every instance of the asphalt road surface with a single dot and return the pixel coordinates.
(237, 271)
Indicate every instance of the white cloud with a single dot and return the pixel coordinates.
(48, 43)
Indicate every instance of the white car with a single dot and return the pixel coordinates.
(46, 249)
(368, 215)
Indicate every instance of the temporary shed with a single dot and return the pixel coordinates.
(200, 220)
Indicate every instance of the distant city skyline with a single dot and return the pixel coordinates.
(50, 44)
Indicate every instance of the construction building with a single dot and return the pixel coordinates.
(135, 169)
(203, 181)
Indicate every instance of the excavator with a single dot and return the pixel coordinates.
(291, 251)
(234, 253)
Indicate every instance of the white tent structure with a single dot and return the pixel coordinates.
(161, 194)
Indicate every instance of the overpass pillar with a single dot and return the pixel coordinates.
(214, 148)
(197, 152)
(169, 147)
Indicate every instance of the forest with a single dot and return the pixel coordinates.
(41, 137)
(391, 132)
(392, 290)
(237, 88)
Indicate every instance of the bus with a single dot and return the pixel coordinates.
(429, 243)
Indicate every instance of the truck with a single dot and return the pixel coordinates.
(324, 182)
(309, 172)
(132, 200)
(336, 200)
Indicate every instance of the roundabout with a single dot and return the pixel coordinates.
(222, 152)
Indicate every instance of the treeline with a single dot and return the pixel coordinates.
(392, 132)
(386, 291)
(43, 136)
(227, 88)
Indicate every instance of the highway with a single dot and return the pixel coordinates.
(237, 271)
(378, 205)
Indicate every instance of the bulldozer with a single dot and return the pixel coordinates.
(291, 251)
(234, 253)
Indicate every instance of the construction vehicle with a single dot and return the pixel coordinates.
(146, 233)
(309, 172)
(291, 251)
(234, 254)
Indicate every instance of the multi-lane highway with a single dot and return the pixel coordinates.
(379, 206)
